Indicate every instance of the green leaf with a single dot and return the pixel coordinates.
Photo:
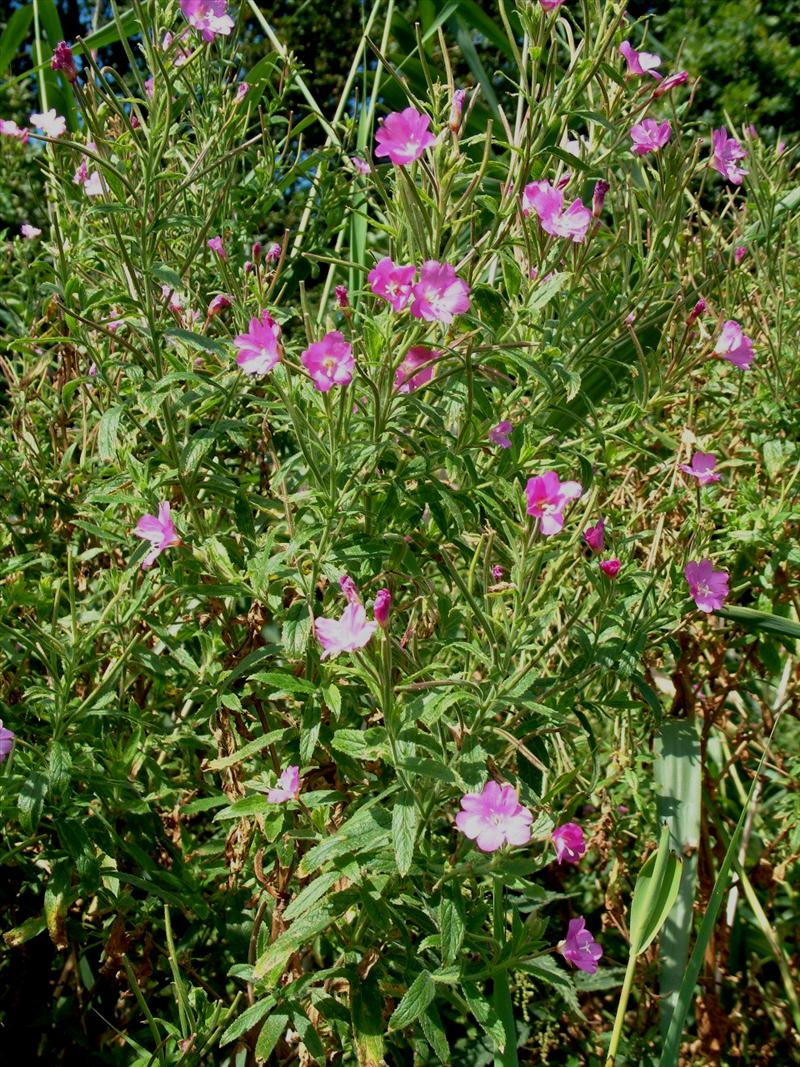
(434, 1032)
(761, 620)
(654, 894)
(366, 1013)
(196, 340)
(107, 432)
(418, 996)
(405, 819)
(30, 801)
(244, 1022)
(271, 1033)
(303, 931)
(451, 929)
(14, 34)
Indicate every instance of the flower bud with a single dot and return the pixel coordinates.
(62, 61)
(382, 607)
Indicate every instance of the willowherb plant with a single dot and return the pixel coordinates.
(340, 574)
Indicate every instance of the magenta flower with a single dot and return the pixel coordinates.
(739, 253)
(440, 294)
(569, 842)
(610, 567)
(640, 63)
(392, 282)
(81, 175)
(351, 631)
(599, 197)
(727, 152)
(329, 361)
(702, 468)
(160, 531)
(29, 231)
(408, 377)
(273, 253)
(208, 17)
(734, 345)
(497, 572)
(6, 741)
(594, 536)
(404, 136)
(382, 607)
(242, 89)
(216, 245)
(259, 349)
(494, 817)
(547, 498)
(698, 310)
(9, 128)
(547, 203)
(456, 107)
(51, 124)
(649, 135)
(286, 788)
(220, 303)
(62, 60)
(361, 165)
(579, 947)
(342, 296)
(670, 82)
(501, 434)
(707, 587)
(350, 589)
(551, 5)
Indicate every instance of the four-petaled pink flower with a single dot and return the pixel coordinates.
(640, 62)
(6, 741)
(734, 345)
(408, 377)
(404, 136)
(440, 294)
(707, 587)
(494, 817)
(361, 165)
(610, 567)
(649, 135)
(547, 203)
(329, 361)
(579, 947)
(351, 631)
(160, 531)
(382, 607)
(702, 468)
(727, 152)
(594, 536)
(286, 788)
(259, 349)
(216, 245)
(29, 231)
(208, 17)
(569, 842)
(501, 434)
(9, 128)
(392, 281)
(51, 124)
(547, 498)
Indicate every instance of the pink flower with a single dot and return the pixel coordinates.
(350, 589)
(94, 184)
(408, 378)
(610, 567)
(640, 62)
(116, 320)
(599, 197)
(702, 468)
(440, 294)
(547, 498)
(739, 253)
(551, 5)
(273, 253)
(392, 282)
(456, 108)
(221, 302)
(208, 17)
(29, 231)
(259, 349)
(351, 631)
(242, 89)
(734, 345)
(51, 124)
(329, 361)
(697, 311)
(649, 135)
(494, 817)
(159, 531)
(342, 296)
(497, 572)
(404, 136)
(149, 88)
(569, 842)
(670, 82)
(500, 434)
(727, 151)
(594, 536)
(547, 203)
(6, 741)
(361, 166)
(707, 587)
(579, 947)
(382, 607)
(62, 60)
(216, 245)
(8, 128)
(286, 788)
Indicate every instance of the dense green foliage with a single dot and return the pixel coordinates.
(158, 907)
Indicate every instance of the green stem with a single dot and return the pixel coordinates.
(622, 1007)
(501, 993)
